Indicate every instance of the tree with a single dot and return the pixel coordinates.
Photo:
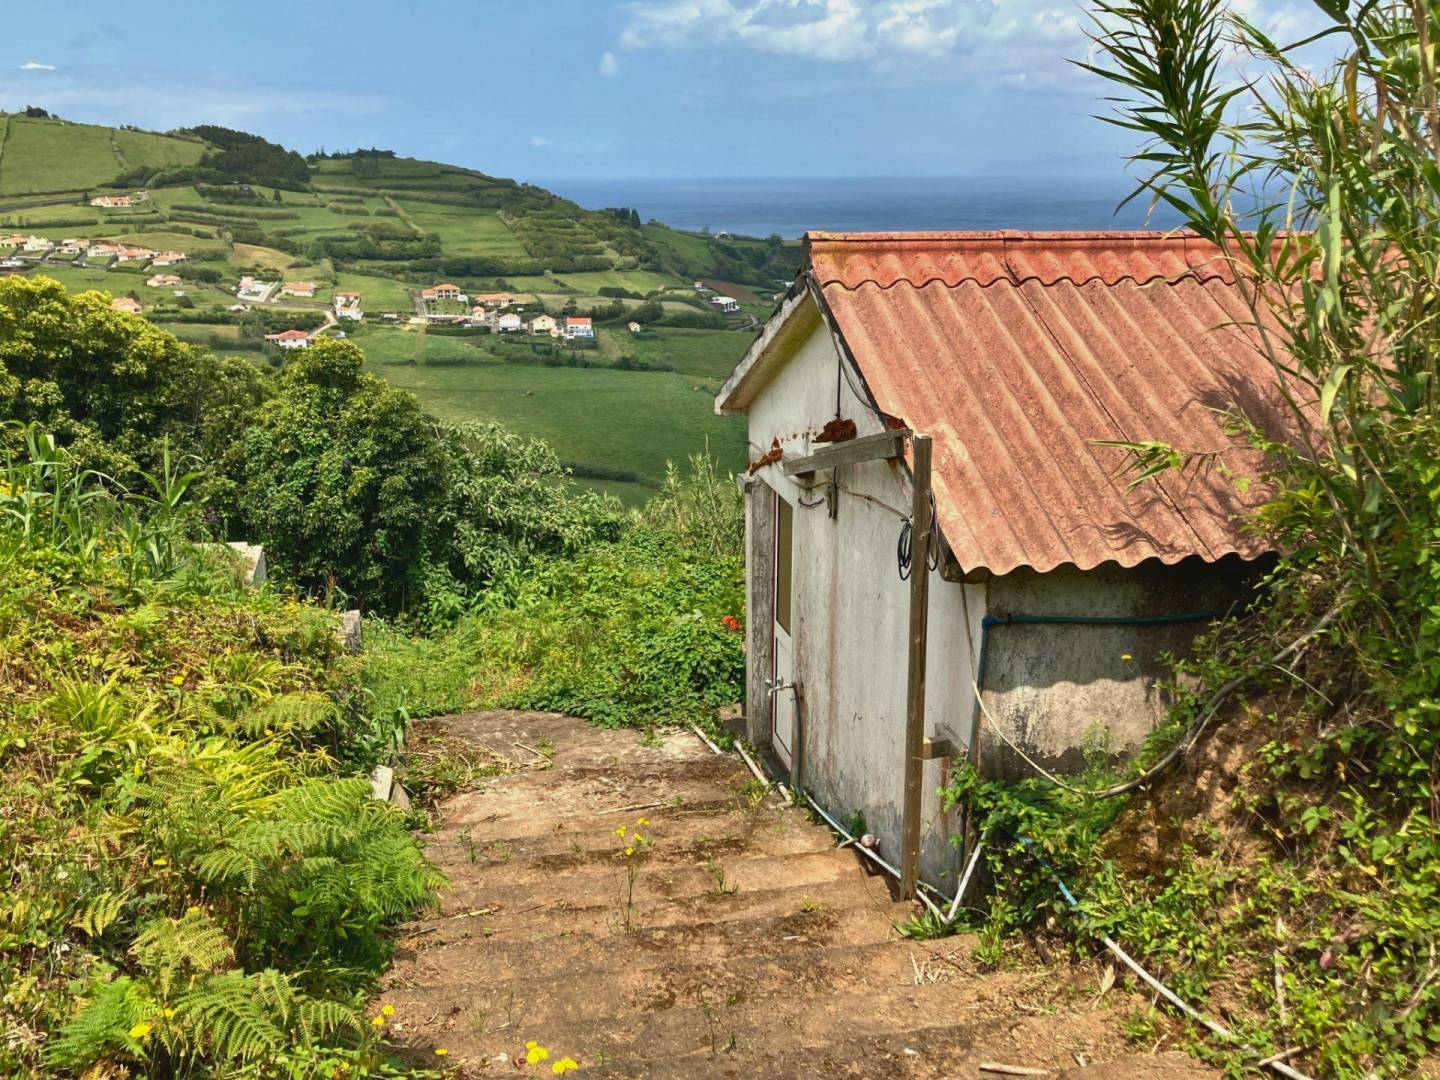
(342, 474)
(111, 389)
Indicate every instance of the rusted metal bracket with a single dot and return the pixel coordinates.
(879, 447)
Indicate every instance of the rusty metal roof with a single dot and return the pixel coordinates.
(1017, 352)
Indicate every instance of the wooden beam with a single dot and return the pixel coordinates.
(936, 749)
(923, 526)
(879, 447)
(759, 608)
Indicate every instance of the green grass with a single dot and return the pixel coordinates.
(591, 282)
(376, 293)
(706, 354)
(46, 155)
(462, 230)
(629, 421)
(157, 151)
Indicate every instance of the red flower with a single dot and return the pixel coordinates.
(731, 623)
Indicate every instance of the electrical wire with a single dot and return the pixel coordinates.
(905, 545)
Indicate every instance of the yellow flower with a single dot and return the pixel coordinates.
(178, 680)
(440, 1051)
(169, 1014)
(193, 909)
(1126, 656)
(564, 1065)
(387, 1010)
(620, 831)
(629, 851)
(162, 861)
(140, 1030)
(642, 821)
(535, 1053)
(378, 1021)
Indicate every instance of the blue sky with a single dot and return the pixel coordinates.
(593, 88)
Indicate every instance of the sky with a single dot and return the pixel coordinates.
(596, 88)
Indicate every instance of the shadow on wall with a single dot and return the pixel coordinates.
(1070, 694)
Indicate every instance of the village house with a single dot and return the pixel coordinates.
(302, 289)
(102, 250)
(579, 326)
(163, 281)
(495, 300)
(13, 240)
(985, 370)
(134, 254)
(441, 292)
(725, 304)
(126, 304)
(633, 327)
(253, 289)
(72, 247)
(37, 244)
(169, 258)
(112, 202)
(508, 323)
(289, 339)
(347, 306)
(544, 324)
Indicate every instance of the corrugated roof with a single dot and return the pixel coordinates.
(1018, 351)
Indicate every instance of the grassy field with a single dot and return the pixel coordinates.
(462, 230)
(376, 293)
(51, 155)
(620, 420)
(706, 354)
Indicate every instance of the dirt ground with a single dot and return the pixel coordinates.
(749, 944)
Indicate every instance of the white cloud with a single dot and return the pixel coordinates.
(539, 141)
(31, 65)
(1011, 41)
(609, 65)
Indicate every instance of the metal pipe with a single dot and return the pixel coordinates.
(894, 873)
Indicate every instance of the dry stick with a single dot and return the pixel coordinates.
(1011, 1070)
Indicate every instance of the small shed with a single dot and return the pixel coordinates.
(978, 377)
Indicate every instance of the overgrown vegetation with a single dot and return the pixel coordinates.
(1302, 898)
(195, 882)
(640, 629)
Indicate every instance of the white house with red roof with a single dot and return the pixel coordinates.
(170, 258)
(347, 306)
(301, 289)
(290, 339)
(579, 326)
(164, 281)
(988, 370)
(113, 202)
(127, 305)
(445, 291)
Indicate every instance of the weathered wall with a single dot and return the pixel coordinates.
(1060, 690)
(851, 620)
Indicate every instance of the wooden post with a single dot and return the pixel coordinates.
(759, 608)
(922, 527)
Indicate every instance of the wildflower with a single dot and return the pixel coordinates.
(178, 680)
(193, 909)
(162, 861)
(1126, 657)
(629, 851)
(378, 1022)
(643, 821)
(387, 1010)
(564, 1065)
(440, 1051)
(620, 831)
(169, 1014)
(141, 1030)
(535, 1053)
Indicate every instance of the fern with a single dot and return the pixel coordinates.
(99, 912)
(189, 945)
(102, 1028)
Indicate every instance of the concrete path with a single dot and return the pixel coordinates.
(751, 945)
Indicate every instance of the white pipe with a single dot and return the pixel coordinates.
(837, 827)
(964, 881)
(705, 739)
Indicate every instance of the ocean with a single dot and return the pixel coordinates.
(792, 207)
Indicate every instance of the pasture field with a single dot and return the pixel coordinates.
(153, 151)
(704, 354)
(616, 420)
(376, 293)
(591, 282)
(463, 230)
(45, 155)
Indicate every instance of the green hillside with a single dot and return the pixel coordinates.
(49, 155)
(387, 227)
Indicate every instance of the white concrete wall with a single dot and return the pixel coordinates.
(851, 619)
